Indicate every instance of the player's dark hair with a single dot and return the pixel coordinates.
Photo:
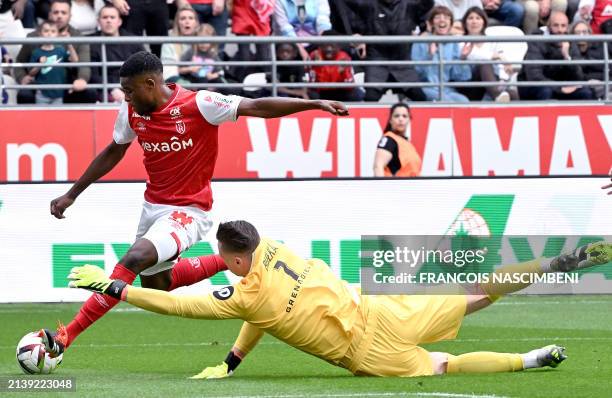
(238, 236)
(140, 63)
(393, 108)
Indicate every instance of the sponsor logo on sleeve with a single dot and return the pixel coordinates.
(225, 293)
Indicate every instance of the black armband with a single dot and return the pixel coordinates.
(232, 360)
(115, 289)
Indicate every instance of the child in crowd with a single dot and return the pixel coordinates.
(49, 54)
(205, 55)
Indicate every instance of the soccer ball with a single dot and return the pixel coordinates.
(32, 356)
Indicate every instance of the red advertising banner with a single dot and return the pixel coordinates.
(38, 145)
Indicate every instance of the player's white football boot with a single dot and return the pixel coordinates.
(583, 257)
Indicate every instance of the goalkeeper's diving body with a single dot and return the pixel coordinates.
(302, 303)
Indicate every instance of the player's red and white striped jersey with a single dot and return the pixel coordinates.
(179, 141)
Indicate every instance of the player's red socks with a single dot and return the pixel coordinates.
(188, 271)
(97, 305)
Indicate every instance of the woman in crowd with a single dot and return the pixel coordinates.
(84, 15)
(475, 23)
(301, 18)
(185, 24)
(591, 51)
(395, 155)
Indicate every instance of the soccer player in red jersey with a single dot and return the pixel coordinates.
(177, 130)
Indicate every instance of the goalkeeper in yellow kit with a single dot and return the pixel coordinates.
(302, 303)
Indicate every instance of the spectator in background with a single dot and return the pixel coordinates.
(475, 23)
(59, 14)
(186, 23)
(395, 155)
(459, 7)
(204, 55)
(5, 57)
(538, 11)
(591, 51)
(84, 16)
(599, 12)
(301, 18)
(20, 11)
(140, 16)
(334, 73)
(10, 26)
(212, 12)
(382, 18)
(50, 54)
(251, 18)
(440, 22)
(505, 12)
(290, 74)
(110, 22)
(561, 50)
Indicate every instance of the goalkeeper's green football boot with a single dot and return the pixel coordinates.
(551, 355)
(586, 256)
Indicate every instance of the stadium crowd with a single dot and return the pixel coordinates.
(303, 18)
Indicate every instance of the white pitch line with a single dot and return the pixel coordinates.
(227, 344)
(368, 394)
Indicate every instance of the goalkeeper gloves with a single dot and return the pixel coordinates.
(92, 278)
(225, 369)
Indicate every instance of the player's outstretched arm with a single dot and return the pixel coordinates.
(276, 107)
(102, 164)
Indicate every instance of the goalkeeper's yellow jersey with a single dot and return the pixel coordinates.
(300, 302)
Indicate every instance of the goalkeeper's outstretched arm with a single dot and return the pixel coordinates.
(93, 278)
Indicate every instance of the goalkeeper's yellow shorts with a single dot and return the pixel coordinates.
(402, 323)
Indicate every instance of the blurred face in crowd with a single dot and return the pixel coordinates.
(109, 21)
(206, 30)
(60, 14)
(441, 24)
(49, 30)
(474, 24)
(400, 120)
(187, 23)
(557, 23)
(286, 52)
(581, 28)
(329, 51)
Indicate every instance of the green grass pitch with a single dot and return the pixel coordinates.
(132, 353)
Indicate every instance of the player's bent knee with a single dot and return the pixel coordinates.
(140, 256)
(159, 281)
(439, 362)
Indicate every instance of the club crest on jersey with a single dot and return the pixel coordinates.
(141, 126)
(175, 112)
(180, 127)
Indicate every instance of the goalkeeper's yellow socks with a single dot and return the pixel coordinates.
(502, 282)
(492, 362)
(484, 362)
